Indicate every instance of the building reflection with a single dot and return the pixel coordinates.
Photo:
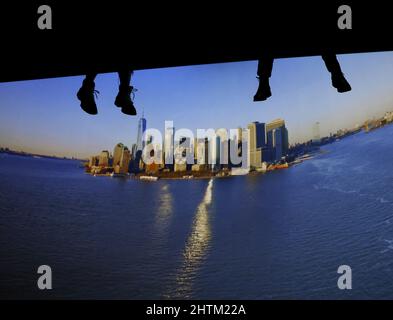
(165, 209)
(197, 245)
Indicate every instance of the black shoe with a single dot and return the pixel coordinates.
(86, 96)
(263, 91)
(340, 83)
(123, 100)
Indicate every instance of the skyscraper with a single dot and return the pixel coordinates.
(256, 143)
(277, 143)
(277, 123)
(103, 160)
(121, 158)
(183, 154)
(185, 149)
(141, 131)
(235, 148)
(125, 160)
(122, 163)
(202, 151)
(137, 150)
(215, 150)
(195, 147)
(277, 139)
(93, 161)
(117, 153)
(222, 148)
(169, 146)
(133, 150)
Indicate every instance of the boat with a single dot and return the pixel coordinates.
(282, 166)
(118, 175)
(277, 166)
(239, 171)
(148, 178)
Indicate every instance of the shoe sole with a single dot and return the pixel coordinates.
(90, 112)
(128, 113)
(262, 98)
(343, 90)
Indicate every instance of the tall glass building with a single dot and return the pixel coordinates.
(141, 131)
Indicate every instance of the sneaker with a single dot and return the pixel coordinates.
(340, 83)
(86, 96)
(263, 91)
(123, 100)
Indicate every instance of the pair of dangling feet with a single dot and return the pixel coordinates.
(87, 95)
(338, 81)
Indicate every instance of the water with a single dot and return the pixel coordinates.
(280, 235)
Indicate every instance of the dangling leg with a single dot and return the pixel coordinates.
(265, 66)
(338, 79)
(86, 94)
(123, 98)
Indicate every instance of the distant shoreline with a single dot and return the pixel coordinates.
(34, 155)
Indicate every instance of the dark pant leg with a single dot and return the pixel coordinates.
(90, 77)
(125, 77)
(265, 66)
(331, 63)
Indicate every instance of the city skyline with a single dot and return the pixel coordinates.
(259, 147)
(44, 116)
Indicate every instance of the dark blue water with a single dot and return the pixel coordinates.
(279, 235)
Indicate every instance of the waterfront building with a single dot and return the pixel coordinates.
(277, 140)
(155, 153)
(147, 152)
(269, 154)
(180, 167)
(93, 161)
(169, 146)
(214, 150)
(277, 123)
(256, 143)
(117, 154)
(235, 147)
(222, 148)
(152, 168)
(125, 159)
(202, 152)
(277, 143)
(103, 160)
(121, 158)
(183, 153)
(195, 150)
(199, 167)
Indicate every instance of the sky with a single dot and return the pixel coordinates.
(44, 116)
